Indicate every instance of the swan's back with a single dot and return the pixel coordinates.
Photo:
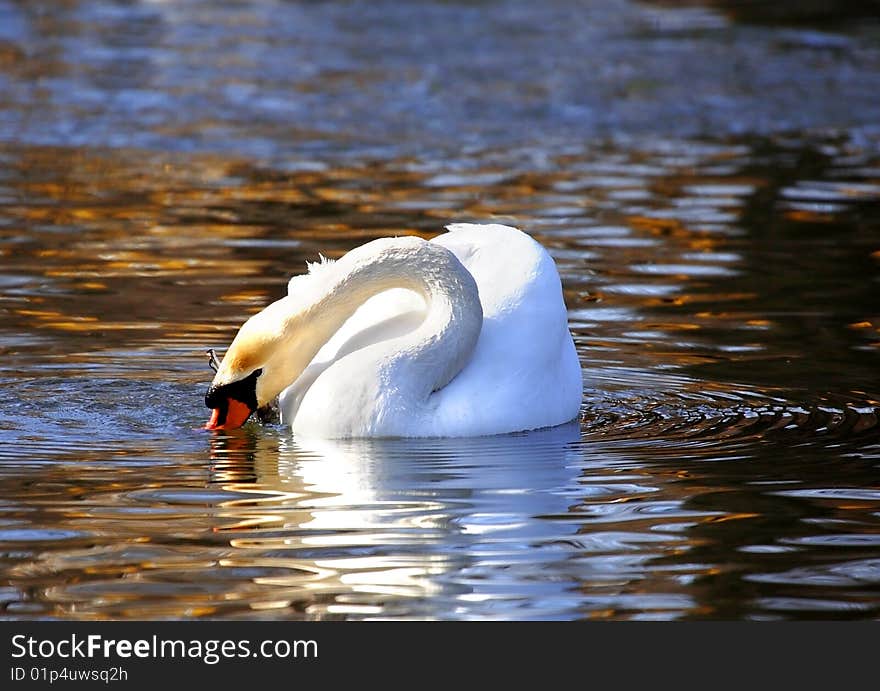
(510, 268)
(524, 372)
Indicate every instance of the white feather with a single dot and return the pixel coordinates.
(522, 374)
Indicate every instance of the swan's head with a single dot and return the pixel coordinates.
(262, 360)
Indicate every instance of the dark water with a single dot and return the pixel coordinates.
(709, 191)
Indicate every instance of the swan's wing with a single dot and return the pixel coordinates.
(505, 262)
(525, 366)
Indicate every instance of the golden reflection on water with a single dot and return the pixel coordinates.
(183, 236)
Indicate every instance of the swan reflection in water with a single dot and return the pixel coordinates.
(369, 526)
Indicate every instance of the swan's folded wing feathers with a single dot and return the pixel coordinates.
(524, 371)
(505, 262)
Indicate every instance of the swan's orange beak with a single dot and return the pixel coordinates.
(231, 416)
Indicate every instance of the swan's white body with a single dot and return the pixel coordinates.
(405, 339)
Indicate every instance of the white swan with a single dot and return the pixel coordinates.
(465, 335)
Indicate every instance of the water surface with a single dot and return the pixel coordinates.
(721, 276)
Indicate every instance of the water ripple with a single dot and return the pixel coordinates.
(723, 465)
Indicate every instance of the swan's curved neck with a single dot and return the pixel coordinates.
(429, 357)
